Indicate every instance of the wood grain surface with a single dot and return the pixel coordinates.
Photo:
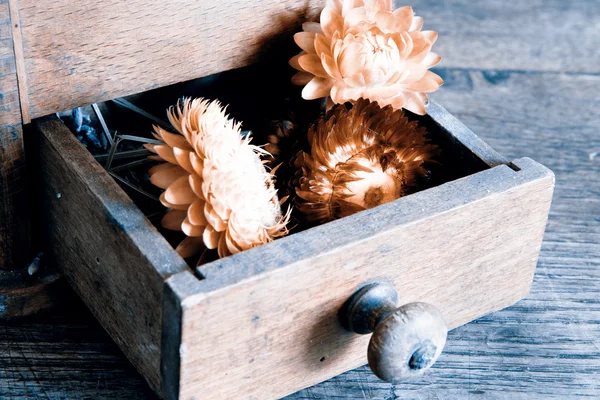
(114, 260)
(81, 52)
(281, 336)
(525, 77)
(14, 207)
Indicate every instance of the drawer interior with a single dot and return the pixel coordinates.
(260, 93)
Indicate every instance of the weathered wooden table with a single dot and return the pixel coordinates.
(525, 76)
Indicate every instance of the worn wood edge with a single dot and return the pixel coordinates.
(145, 236)
(465, 136)
(170, 362)
(15, 25)
(154, 257)
(322, 239)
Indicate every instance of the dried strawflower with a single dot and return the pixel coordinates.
(364, 49)
(217, 188)
(360, 156)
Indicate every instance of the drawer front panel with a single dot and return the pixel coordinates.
(274, 332)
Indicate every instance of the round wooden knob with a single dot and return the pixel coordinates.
(406, 340)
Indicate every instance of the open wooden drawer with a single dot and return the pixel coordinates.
(262, 323)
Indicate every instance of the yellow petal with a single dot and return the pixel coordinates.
(195, 213)
(173, 219)
(164, 177)
(190, 246)
(180, 192)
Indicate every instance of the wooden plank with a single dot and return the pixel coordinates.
(533, 35)
(110, 253)
(179, 40)
(281, 299)
(15, 245)
(58, 355)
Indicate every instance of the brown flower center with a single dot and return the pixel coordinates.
(373, 196)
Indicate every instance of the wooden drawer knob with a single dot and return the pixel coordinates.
(406, 340)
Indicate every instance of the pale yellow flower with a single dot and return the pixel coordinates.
(216, 186)
(364, 49)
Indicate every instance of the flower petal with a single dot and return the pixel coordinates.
(192, 230)
(166, 152)
(312, 63)
(190, 246)
(312, 27)
(354, 17)
(195, 213)
(164, 177)
(173, 219)
(331, 21)
(330, 67)
(431, 60)
(196, 185)
(403, 19)
(165, 203)
(317, 88)
(294, 61)
(430, 35)
(213, 218)
(306, 41)
(160, 167)
(386, 21)
(350, 4)
(429, 83)
(417, 24)
(173, 139)
(302, 78)
(211, 237)
(183, 159)
(415, 104)
(180, 192)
